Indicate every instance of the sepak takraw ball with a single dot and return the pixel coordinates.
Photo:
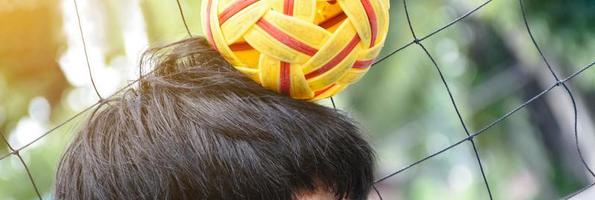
(306, 49)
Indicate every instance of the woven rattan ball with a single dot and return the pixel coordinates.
(306, 49)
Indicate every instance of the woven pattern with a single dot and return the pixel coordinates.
(306, 49)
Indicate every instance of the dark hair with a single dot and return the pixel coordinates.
(196, 128)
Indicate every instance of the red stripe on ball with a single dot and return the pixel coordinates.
(286, 39)
(208, 25)
(337, 59)
(233, 9)
(372, 20)
(362, 64)
(285, 78)
(288, 7)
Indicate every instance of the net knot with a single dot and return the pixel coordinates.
(471, 138)
(417, 41)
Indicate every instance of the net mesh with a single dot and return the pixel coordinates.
(417, 40)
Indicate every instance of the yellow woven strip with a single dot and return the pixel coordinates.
(352, 76)
(305, 10)
(305, 32)
(326, 10)
(371, 53)
(330, 92)
(219, 39)
(299, 85)
(223, 4)
(264, 43)
(204, 16)
(336, 72)
(386, 4)
(302, 9)
(270, 78)
(276, 4)
(338, 41)
(235, 27)
(381, 19)
(269, 72)
(357, 15)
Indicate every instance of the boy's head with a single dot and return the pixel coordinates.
(198, 129)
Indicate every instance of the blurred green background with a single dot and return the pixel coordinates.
(487, 59)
